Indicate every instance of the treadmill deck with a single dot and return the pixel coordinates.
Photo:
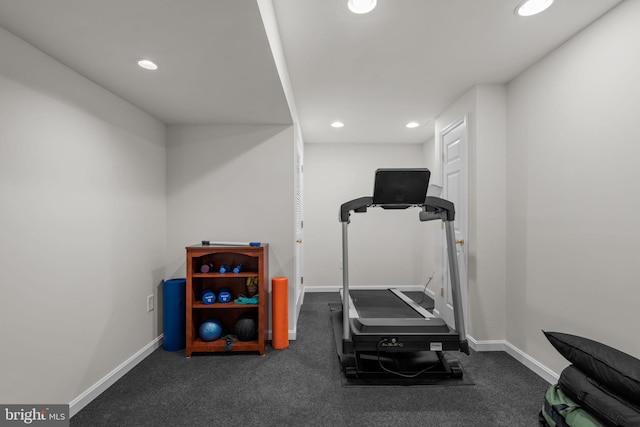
(388, 314)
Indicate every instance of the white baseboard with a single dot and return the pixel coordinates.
(486, 345)
(98, 388)
(547, 374)
(501, 345)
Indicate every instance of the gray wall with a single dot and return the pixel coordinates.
(232, 183)
(82, 225)
(385, 247)
(572, 198)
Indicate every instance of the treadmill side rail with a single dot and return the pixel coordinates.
(454, 274)
(411, 303)
(346, 307)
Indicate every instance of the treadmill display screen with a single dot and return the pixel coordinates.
(400, 188)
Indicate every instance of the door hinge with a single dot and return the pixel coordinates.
(442, 292)
(301, 280)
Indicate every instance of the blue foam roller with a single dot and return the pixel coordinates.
(173, 314)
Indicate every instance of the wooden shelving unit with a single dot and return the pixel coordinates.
(255, 263)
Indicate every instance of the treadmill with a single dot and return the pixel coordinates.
(384, 332)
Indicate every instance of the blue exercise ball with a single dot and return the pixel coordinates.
(210, 330)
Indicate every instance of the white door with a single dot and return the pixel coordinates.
(298, 288)
(453, 146)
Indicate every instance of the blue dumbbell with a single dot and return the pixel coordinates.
(224, 295)
(208, 297)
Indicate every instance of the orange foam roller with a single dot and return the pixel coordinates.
(280, 313)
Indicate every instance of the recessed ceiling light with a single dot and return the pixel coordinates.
(361, 6)
(148, 64)
(337, 124)
(533, 7)
(412, 125)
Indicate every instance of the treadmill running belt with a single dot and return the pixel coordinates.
(381, 304)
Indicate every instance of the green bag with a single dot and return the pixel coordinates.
(560, 411)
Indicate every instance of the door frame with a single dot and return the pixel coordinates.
(462, 220)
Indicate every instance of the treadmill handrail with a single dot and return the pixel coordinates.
(437, 208)
(433, 208)
(357, 205)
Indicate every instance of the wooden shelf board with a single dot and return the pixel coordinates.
(227, 275)
(199, 304)
(199, 345)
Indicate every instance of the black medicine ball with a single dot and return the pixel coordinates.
(247, 327)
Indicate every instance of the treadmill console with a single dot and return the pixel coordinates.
(400, 188)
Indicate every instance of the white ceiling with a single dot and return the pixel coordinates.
(215, 62)
(405, 61)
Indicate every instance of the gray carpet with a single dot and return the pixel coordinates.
(301, 386)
